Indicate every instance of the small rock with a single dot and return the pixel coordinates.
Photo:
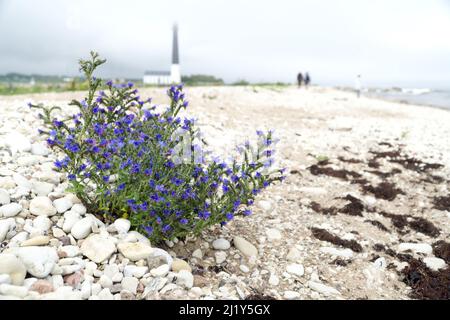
(130, 284)
(98, 248)
(200, 281)
(105, 281)
(36, 241)
(221, 244)
(159, 256)
(433, 263)
(41, 188)
(197, 254)
(416, 247)
(134, 271)
(323, 289)
(42, 206)
(244, 268)
(380, 263)
(265, 205)
(13, 290)
(295, 269)
(23, 182)
(273, 280)
(70, 218)
(4, 197)
(135, 251)
(17, 142)
(79, 208)
(85, 289)
(62, 204)
(5, 278)
(82, 228)
(273, 234)
(161, 271)
(10, 210)
(6, 225)
(291, 295)
(39, 261)
(110, 270)
(13, 267)
(39, 149)
(73, 279)
(42, 286)
(313, 191)
(179, 264)
(293, 255)
(61, 235)
(185, 279)
(221, 256)
(122, 225)
(42, 223)
(125, 295)
(70, 251)
(105, 294)
(343, 253)
(245, 247)
(117, 277)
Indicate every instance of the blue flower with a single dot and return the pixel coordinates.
(71, 177)
(120, 187)
(229, 216)
(148, 230)
(184, 221)
(58, 164)
(247, 212)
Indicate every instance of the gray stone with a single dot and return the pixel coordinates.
(295, 269)
(42, 223)
(41, 188)
(82, 228)
(323, 289)
(4, 197)
(435, 263)
(42, 206)
(221, 244)
(135, 251)
(10, 210)
(13, 267)
(122, 225)
(6, 225)
(62, 204)
(39, 261)
(416, 247)
(130, 284)
(98, 248)
(185, 279)
(245, 247)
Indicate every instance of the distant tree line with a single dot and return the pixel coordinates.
(201, 79)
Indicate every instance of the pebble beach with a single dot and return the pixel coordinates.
(364, 210)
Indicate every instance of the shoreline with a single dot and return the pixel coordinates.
(367, 95)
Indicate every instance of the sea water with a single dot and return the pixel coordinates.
(421, 96)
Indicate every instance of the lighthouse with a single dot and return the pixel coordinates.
(175, 75)
(167, 77)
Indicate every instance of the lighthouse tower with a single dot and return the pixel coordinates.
(175, 75)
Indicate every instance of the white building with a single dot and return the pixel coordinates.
(167, 77)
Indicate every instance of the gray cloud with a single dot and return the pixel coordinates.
(388, 42)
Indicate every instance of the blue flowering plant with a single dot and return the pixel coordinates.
(124, 157)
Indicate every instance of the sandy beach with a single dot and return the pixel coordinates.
(367, 183)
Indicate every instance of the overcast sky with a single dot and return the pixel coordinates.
(390, 42)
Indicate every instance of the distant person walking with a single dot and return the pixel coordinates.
(307, 80)
(299, 79)
(358, 85)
